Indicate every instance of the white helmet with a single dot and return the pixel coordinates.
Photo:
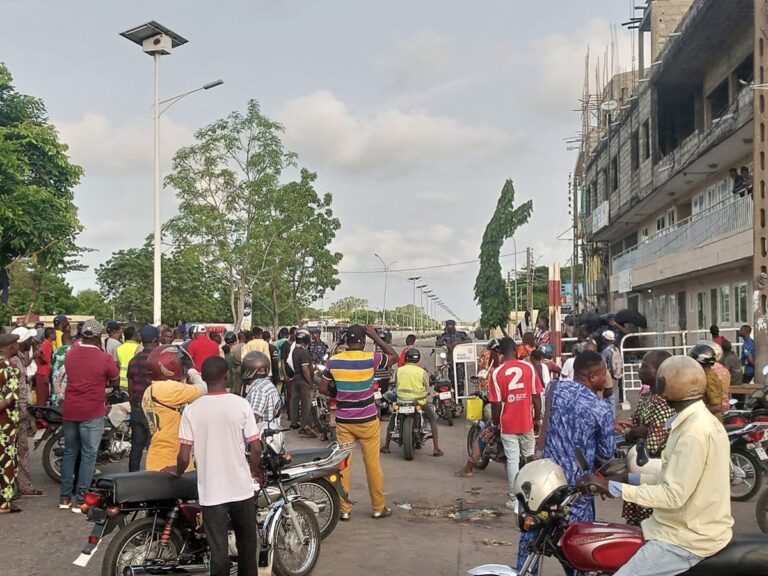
(537, 481)
(653, 466)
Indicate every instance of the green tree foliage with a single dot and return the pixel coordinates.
(344, 307)
(490, 287)
(257, 231)
(38, 218)
(192, 290)
(90, 302)
(36, 291)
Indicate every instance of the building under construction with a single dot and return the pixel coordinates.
(667, 184)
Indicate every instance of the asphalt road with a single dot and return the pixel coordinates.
(431, 531)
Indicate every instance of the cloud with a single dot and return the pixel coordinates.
(321, 127)
(103, 147)
(426, 59)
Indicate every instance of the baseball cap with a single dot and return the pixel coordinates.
(314, 330)
(8, 338)
(149, 333)
(111, 326)
(59, 318)
(450, 322)
(609, 335)
(199, 329)
(93, 328)
(355, 333)
(23, 333)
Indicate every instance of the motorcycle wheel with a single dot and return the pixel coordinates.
(139, 544)
(472, 438)
(407, 435)
(52, 461)
(761, 511)
(293, 558)
(322, 493)
(746, 488)
(448, 410)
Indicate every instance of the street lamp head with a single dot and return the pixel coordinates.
(414, 278)
(213, 84)
(154, 38)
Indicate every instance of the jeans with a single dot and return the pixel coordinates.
(301, 403)
(216, 520)
(83, 439)
(657, 558)
(515, 446)
(369, 436)
(139, 436)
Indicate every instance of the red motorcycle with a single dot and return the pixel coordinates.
(601, 547)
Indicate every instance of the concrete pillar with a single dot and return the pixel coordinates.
(760, 266)
(665, 17)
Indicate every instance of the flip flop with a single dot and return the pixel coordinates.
(462, 474)
(384, 450)
(437, 453)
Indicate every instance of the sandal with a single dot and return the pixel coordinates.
(437, 453)
(384, 450)
(12, 510)
(462, 474)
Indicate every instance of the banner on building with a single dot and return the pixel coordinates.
(625, 281)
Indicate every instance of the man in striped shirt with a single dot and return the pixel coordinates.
(349, 378)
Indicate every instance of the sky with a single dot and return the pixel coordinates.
(412, 113)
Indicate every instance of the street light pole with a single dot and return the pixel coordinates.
(386, 272)
(414, 279)
(157, 273)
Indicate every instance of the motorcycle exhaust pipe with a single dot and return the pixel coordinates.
(150, 570)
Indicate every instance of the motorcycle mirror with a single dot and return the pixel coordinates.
(581, 460)
(642, 455)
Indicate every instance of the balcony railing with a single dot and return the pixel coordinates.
(731, 215)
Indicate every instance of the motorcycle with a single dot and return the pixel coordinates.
(323, 411)
(161, 528)
(755, 410)
(445, 404)
(748, 459)
(603, 547)
(115, 441)
(481, 450)
(411, 430)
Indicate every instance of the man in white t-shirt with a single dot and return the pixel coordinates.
(218, 426)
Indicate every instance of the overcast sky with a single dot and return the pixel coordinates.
(413, 114)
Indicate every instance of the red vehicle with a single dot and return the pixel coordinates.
(601, 547)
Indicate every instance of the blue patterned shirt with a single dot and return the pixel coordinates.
(578, 418)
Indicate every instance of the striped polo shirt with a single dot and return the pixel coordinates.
(353, 373)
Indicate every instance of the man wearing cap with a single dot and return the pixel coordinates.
(348, 377)
(21, 361)
(613, 360)
(450, 338)
(125, 352)
(317, 348)
(202, 347)
(138, 381)
(61, 325)
(9, 418)
(114, 341)
(90, 371)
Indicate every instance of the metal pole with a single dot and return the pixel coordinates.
(157, 275)
(514, 246)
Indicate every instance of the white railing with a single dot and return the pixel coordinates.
(731, 215)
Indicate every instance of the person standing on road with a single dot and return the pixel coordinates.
(450, 338)
(515, 396)
(217, 427)
(262, 394)
(202, 347)
(125, 352)
(89, 372)
(138, 381)
(21, 361)
(9, 419)
(349, 378)
(747, 353)
(257, 344)
(60, 325)
(731, 361)
(114, 339)
(43, 378)
(615, 364)
(577, 418)
(542, 334)
(303, 383)
(317, 348)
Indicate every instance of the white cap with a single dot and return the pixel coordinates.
(23, 333)
(609, 335)
(199, 329)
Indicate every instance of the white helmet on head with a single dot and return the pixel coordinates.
(537, 482)
(653, 466)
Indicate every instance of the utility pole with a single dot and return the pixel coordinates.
(572, 187)
(414, 279)
(760, 231)
(529, 270)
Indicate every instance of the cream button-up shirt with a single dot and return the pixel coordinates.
(691, 496)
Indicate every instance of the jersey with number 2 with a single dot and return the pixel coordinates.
(514, 384)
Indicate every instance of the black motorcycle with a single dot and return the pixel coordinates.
(411, 430)
(115, 441)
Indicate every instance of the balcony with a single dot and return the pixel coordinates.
(730, 217)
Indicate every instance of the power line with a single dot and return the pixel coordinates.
(436, 266)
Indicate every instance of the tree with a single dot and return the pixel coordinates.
(242, 220)
(90, 302)
(191, 288)
(490, 288)
(38, 217)
(346, 306)
(36, 291)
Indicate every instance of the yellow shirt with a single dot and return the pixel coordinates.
(125, 352)
(258, 345)
(412, 383)
(691, 495)
(57, 342)
(164, 446)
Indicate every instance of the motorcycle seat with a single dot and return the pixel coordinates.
(49, 413)
(309, 455)
(746, 556)
(734, 427)
(147, 486)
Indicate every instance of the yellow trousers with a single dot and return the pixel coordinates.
(369, 436)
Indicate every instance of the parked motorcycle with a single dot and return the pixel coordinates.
(481, 450)
(446, 406)
(162, 530)
(411, 429)
(755, 409)
(323, 411)
(115, 441)
(602, 547)
(748, 459)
